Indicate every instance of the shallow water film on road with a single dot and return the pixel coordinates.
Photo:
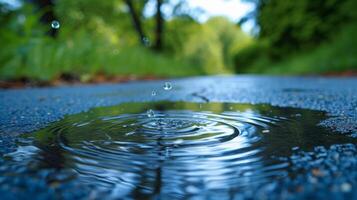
(179, 150)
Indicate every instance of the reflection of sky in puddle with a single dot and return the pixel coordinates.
(177, 170)
(186, 148)
(23, 152)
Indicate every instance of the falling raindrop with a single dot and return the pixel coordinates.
(167, 86)
(150, 113)
(153, 93)
(55, 24)
(146, 41)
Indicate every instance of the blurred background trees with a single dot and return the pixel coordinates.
(116, 38)
(301, 37)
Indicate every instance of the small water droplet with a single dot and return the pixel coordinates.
(150, 113)
(265, 131)
(167, 86)
(153, 93)
(55, 24)
(146, 41)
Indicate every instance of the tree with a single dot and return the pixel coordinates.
(290, 26)
(136, 22)
(159, 26)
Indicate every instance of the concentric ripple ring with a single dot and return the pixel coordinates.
(176, 152)
(177, 148)
(170, 150)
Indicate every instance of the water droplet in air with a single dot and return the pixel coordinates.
(146, 41)
(153, 93)
(55, 24)
(150, 113)
(167, 86)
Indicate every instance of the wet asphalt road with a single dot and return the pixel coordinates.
(26, 110)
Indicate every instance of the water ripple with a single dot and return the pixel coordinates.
(180, 150)
(174, 148)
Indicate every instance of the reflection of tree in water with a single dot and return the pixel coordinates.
(52, 155)
(140, 166)
(146, 180)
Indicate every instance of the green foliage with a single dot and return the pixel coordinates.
(229, 37)
(246, 57)
(291, 26)
(97, 37)
(213, 45)
(302, 37)
(336, 55)
(86, 55)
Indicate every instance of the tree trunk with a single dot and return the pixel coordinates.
(136, 22)
(159, 26)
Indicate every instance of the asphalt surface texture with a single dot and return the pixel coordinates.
(325, 172)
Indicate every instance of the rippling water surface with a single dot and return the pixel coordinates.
(183, 149)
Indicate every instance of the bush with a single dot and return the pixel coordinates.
(248, 57)
(336, 55)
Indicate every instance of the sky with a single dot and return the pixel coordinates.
(232, 9)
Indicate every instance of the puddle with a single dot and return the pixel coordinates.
(182, 149)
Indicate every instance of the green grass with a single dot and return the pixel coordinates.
(46, 59)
